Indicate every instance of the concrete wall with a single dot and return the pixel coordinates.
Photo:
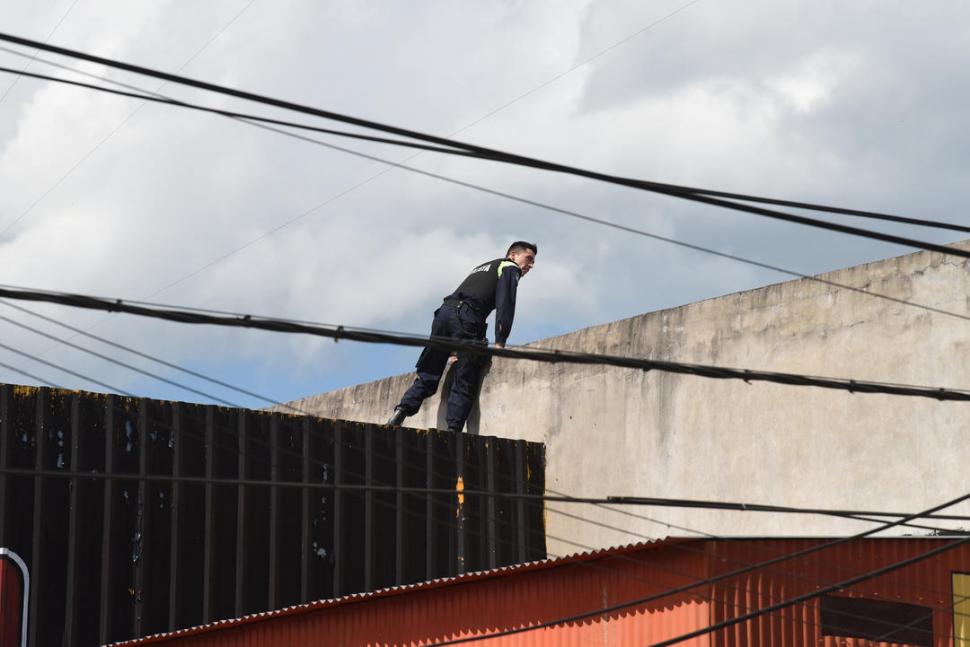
(616, 431)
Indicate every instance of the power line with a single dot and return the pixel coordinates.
(493, 154)
(566, 212)
(559, 498)
(155, 98)
(733, 573)
(756, 507)
(242, 115)
(502, 157)
(153, 358)
(67, 370)
(185, 316)
(118, 362)
(683, 503)
(413, 490)
(20, 371)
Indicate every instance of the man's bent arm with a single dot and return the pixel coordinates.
(505, 291)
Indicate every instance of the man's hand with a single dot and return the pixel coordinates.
(499, 345)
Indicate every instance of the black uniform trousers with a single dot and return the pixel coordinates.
(458, 320)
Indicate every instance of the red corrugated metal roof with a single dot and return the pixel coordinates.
(406, 588)
(521, 595)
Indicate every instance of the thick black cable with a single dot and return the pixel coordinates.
(716, 578)
(850, 514)
(179, 385)
(523, 353)
(564, 498)
(852, 581)
(455, 151)
(488, 153)
(118, 362)
(757, 507)
(20, 371)
(242, 115)
(67, 370)
(155, 359)
(302, 485)
(566, 212)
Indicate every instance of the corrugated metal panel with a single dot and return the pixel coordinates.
(925, 583)
(137, 516)
(486, 602)
(509, 598)
(621, 552)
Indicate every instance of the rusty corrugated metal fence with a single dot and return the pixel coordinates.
(138, 516)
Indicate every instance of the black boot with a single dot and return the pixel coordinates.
(398, 417)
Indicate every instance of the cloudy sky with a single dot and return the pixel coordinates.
(860, 104)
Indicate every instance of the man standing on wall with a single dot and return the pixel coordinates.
(490, 286)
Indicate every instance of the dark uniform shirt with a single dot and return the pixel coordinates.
(492, 286)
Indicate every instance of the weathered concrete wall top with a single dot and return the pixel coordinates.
(617, 431)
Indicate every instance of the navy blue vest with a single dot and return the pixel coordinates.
(479, 286)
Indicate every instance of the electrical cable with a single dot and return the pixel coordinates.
(508, 196)
(754, 507)
(462, 153)
(119, 362)
(155, 359)
(460, 130)
(566, 212)
(561, 498)
(735, 572)
(634, 500)
(242, 115)
(492, 154)
(67, 370)
(472, 347)
(20, 371)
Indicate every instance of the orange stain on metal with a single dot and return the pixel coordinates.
(460, 488)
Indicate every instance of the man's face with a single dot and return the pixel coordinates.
(524, 259)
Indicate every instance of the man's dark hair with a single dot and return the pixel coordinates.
(521, 246)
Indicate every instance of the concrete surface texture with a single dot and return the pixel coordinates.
(611, 431)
